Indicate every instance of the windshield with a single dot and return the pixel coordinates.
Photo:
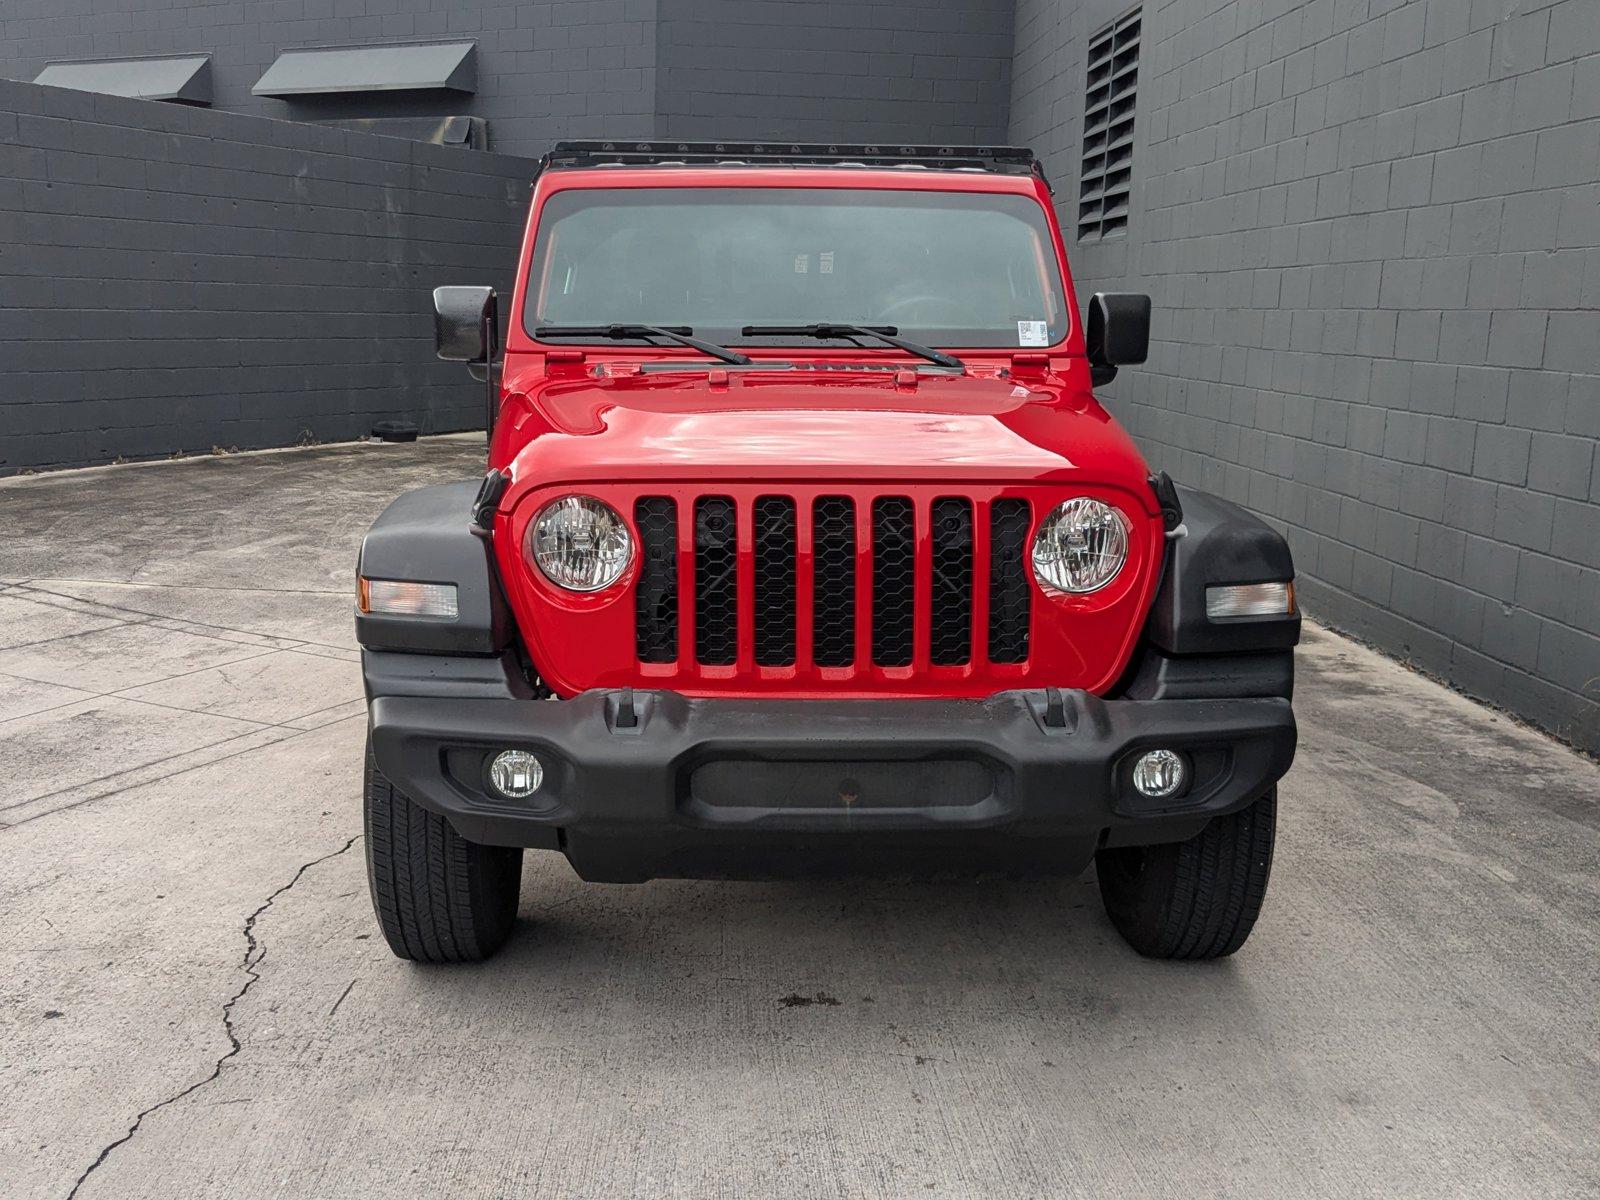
(943, 268)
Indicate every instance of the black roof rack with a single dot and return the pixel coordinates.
(1010, 160)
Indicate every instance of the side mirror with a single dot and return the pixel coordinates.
(466, 326)
(1118, 333)
(462, 323)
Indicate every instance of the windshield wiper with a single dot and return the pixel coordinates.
(672, 333)
(884, 333)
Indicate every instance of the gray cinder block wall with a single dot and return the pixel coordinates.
(546, 68)
(1371, 229)
(834, 70)
(805, 69)
(174, 279)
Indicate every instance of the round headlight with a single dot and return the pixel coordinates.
(580, 543)
(1080, 546)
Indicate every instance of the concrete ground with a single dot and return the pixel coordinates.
(194, 1000)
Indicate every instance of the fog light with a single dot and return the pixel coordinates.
(516, 774)
(1159, 774)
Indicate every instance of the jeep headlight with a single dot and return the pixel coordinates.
(1080, 546)
(580, 543)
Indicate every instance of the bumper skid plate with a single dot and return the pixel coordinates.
(645, 784)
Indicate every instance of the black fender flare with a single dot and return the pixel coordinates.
(428, 536)
(1218, 543)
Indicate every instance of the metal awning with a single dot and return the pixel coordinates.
(395, 66)
(182, 77)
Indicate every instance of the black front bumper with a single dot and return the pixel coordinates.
(775, 788)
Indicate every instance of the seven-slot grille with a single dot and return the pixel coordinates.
(877, 593)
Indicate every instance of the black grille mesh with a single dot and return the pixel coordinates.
(1009, 598)
(834, 549)
(716, 609)
(952, 581)
(833, 594)
(893, 574)
(656, 625)
(775, 551)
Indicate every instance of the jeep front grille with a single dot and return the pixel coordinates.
(833, 581)
(716, 607)
(774, 576)
(656, 599)
(893, 582)
(952, 582)
(1008, 581)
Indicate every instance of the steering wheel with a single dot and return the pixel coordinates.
(927, 310)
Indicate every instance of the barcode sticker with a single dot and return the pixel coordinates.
(1033, 333)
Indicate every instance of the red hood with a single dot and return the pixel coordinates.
(822, 424)
(864, 434)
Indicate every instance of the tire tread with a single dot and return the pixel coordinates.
(1195, 899)
(438, 897)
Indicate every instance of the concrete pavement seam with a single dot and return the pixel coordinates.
(254, 952)
(290, 731)
(188, 587)
(195, 626)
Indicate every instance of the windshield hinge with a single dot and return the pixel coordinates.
(487, 501)
(1167, 498)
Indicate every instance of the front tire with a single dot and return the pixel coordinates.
(1195, 899)
(438, 897)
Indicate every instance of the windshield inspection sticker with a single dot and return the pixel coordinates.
(1033, 333)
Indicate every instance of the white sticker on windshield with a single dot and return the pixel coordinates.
(825, 263)
(802, 263)
(1033, 333)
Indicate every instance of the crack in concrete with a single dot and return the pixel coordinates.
(254, 952)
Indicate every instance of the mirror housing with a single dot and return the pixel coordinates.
(1118, 333)
(466, 328)
(462, 319)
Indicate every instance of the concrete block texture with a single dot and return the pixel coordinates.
(821, 70)
(832, 71)
(178, 280)
(546, 68)
(1419, 265)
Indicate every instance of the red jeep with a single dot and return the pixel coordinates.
(805, 548)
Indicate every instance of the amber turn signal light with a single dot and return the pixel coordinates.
(405, 598)
(1250, 600)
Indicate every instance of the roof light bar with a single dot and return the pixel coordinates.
(1009, 159)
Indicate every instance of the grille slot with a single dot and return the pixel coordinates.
(833, 594)
(775, 571)
(893, 575)
(716, 593)
(1009, 596)
(952, 582)
(656, 619)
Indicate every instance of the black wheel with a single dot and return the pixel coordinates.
(1193, 899)
(439, 898)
